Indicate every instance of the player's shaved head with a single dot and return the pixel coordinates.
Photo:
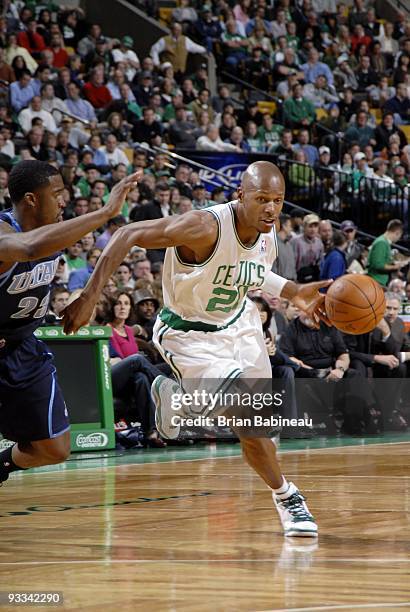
(262, 176)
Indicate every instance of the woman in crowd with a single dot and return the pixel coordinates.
(132, 374)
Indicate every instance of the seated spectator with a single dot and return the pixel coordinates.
(385, 129)
(79, 277)
(14, 50)
(33, 111)
(360, 131)
(78, 106)
(314, 68)
(399, 105)
(147, 129)
(326, 234)
(127, 56)
(380, 93)
(58, 301)
(142, 270)
(269, 132)
(334, 264)
(365, 75)
(182, 132)
(319, 94)
(324, 349)
(145, 308)
(132, 374)
(112, 226)
(124, 278)
(31, 40)
(21, 92)
(308, 249)
(344, 75)
(208, 28)
(36, 146)
(60, 55)
(96, 92)
(310, 151)
(113, 153)
(360, 38)
(202, 104)
(235, 46)
(213, 142)
(298, 110)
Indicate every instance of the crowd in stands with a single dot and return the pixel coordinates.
(74, 96)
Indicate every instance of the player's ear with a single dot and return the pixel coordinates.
(30, 199)
(240, 194)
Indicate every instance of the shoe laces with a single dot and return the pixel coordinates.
(294, 505)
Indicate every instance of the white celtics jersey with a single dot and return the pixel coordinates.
(214, 293)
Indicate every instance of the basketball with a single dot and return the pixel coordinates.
(355, 304)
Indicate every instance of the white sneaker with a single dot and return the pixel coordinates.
(162, 389)
(294, 514)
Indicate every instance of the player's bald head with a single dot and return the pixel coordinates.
(262, 176)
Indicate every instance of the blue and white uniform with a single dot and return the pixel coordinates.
(31, 403)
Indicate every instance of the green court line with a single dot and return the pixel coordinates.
(104, 459)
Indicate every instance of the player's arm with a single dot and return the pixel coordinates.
(46, 240)
(195, 230)
(305, 297)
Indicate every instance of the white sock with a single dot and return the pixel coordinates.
(283, 489)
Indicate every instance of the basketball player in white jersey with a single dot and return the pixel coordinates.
(208, 329)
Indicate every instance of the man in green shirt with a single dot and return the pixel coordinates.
(298, 111)
(380, 260)
(269, 133)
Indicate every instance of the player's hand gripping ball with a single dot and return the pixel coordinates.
(355, 303)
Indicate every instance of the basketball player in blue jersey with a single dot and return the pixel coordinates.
(32, 409)
(208, 328)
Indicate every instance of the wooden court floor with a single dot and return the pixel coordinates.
(203, 535)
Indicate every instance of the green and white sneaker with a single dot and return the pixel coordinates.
(294, 514)
(161, 390)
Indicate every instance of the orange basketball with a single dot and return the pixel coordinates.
(355, 303)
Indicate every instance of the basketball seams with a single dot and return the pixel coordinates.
(352, 290)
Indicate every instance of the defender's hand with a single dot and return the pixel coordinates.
(120, 192)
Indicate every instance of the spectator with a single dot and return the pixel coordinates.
(21, 92)
(96, 92)
(310, 151)
(285, 263)
(132, 374)
(36, 146)
(353, 248)
(314, 68)
(380, 261)
(235, 46)
(13, 50)
(202, 104)
(385, 129)
(79, 277)
(298, 110)
(123, 276)
(33, 111)
(269, 132)
(365, 75)
(360, 131)
(31, 40)
(326, 234)
(213, 142)
(334, 264)
(399, 105)
(112, 226)
(127, 56)
(58, 301)
(113, 153)
(308, 249)
(181, 130)
(319, 94)
(344, 75)
(174, 48)
(147, 129)
(146, 307)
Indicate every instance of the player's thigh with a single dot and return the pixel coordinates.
(35, 412)
(197, 356)
(249, 347)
